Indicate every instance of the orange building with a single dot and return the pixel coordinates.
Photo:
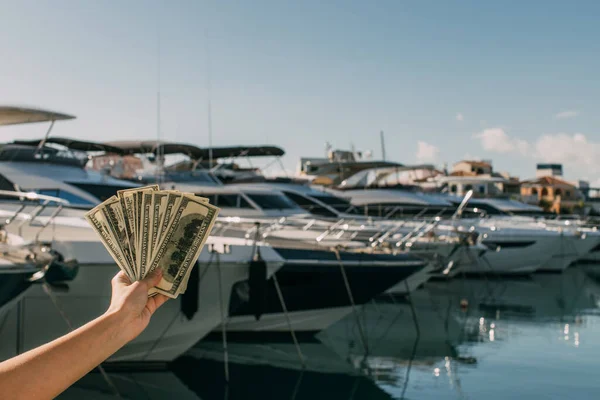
(554, 192)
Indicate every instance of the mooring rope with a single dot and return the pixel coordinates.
(351, 298)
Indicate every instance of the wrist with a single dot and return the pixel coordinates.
(116, 324)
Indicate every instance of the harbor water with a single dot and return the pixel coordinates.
(494, 338)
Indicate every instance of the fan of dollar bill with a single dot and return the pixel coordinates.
(146, 228)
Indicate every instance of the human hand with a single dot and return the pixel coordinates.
(131, 304)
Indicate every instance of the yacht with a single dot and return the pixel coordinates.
(314, 263)
(517, 248)
(173, 329)
(41, 219)
(56, 167)
(445, 253)
(577, 241)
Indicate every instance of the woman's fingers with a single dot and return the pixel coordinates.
(152, 279)
(155, 302)
(121, 279)
(159, 300)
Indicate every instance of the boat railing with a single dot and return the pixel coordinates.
(28, 198)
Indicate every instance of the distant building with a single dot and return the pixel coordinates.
(548, 170)
(479, 176)
(471, 168)
(551, 192)
(482, 186)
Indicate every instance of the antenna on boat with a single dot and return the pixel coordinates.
(209, 103)
(382, 145)
(159, 149)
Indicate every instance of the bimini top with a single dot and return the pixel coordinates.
(155, 146)
(194, 152)
(73, 144)
(21, 115)
(245, 151)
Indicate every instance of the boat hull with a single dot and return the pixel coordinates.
(37, 319)
(314, 290)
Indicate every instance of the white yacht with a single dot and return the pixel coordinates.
(518, 248)
(38, 218)
(175, 327)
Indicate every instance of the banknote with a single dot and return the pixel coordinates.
(171, 204)
(146, 228)
(111, 211)
(99, 223)
(182, 242)
(130, 208)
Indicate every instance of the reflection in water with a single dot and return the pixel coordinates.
(205, 377)
(454, 320)
(456, 339)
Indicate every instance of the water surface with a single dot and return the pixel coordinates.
(535, 337)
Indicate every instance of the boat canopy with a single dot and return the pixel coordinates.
(245, 151)
(73, 144)
(21, 115)
(155, 146)
(372, 177)
(194, 152)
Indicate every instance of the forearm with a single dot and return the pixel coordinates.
(44, 372)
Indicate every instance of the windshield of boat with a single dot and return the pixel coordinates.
(310, 205)
(230, 200)
(338, 203)
(195, 176)
(272, 201)
(49, 153)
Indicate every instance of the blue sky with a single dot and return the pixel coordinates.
(512, 81)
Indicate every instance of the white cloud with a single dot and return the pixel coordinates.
(427, 152)
(573, 150)
(566, 114)
(497, 141)
(460, 117)
(580, 156)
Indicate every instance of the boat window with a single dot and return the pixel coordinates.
(227, 200)
(338, 203)
(244, 203)
(310, 205)
(5, 184)
(232, 200)
(195, 176)
(47, 154)
(488, 208)
(100, 191)
(400, 210)
(63, 194)
(272, 201)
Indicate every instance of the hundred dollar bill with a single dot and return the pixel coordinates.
(111, 210)
(181, 243)
(99, 223)
(127, 205)
(144, 230)
(159, 201)
(204, 199)
(170, 205)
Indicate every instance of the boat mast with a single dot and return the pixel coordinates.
(209, 103)
(159, 156)
(382, 145)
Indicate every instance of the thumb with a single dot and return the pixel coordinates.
(153, 278)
